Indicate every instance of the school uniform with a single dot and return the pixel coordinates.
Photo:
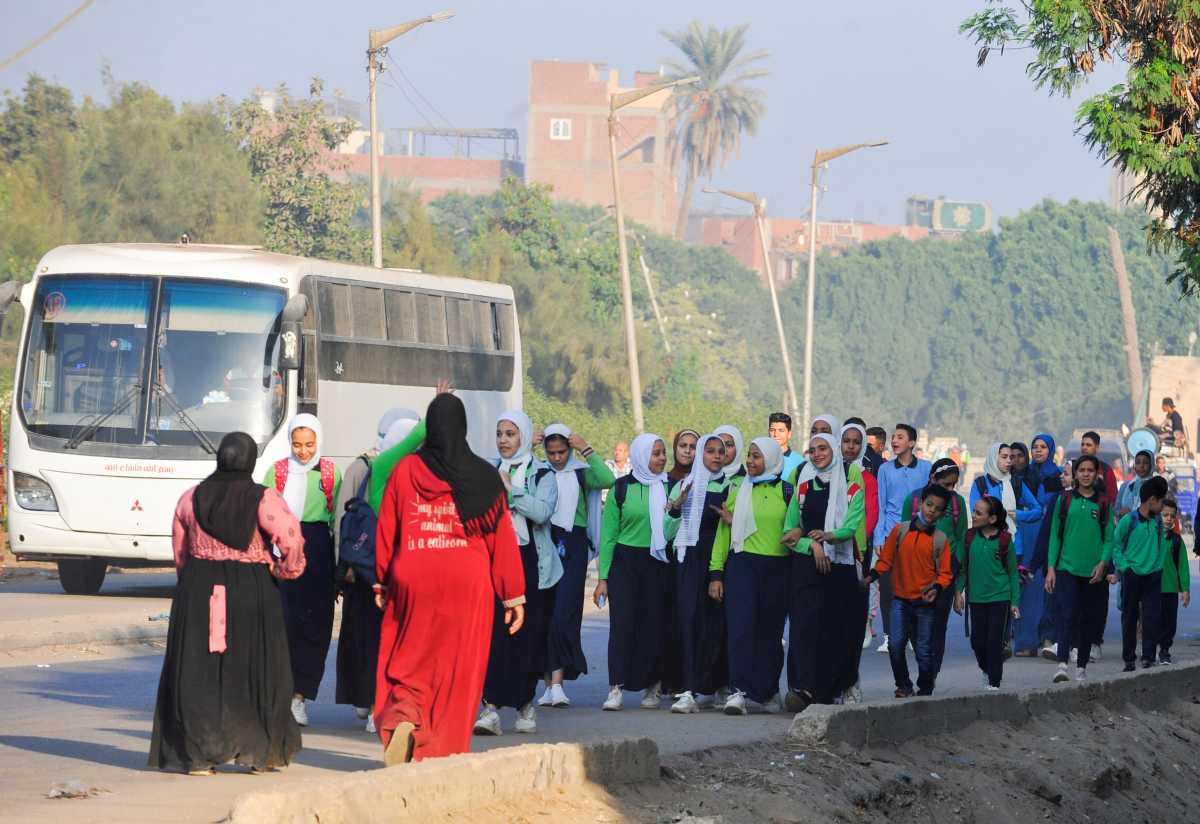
(1080, 539)
(1176, 579)
(756, 580)
(988, 576)
(953, 524)
(1139, 549)
(637, 579)
(894, 482)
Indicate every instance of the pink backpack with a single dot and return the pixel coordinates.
(327, 478)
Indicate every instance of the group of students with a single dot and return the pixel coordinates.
(462, 580)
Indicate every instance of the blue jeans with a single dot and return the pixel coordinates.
(912, 620)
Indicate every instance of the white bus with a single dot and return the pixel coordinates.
(136, 359)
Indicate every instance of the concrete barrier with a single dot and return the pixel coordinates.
(865, 725)
(441, 786)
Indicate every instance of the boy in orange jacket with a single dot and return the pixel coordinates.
(918, 555)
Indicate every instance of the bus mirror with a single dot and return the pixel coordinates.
(295, 309)
(9, 290)
(289, 357)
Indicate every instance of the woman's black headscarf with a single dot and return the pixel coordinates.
(226, 502)
(474, 483)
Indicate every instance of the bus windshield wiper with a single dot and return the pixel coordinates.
(164, 393)
(120, 406)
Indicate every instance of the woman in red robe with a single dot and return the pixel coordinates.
(444, 550)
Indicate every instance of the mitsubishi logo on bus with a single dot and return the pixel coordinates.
(137, 507)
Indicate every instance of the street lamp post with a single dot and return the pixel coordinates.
(377, 47)
(617, 101)
(822, 157)
(760, 220)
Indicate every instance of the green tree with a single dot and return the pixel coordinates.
(712, 115)
(307, 212)
(1149, 125)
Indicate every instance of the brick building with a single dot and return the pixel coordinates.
(567, 141)
(435, 176)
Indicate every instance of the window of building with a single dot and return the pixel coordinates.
(560, 128)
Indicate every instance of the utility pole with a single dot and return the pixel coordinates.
(377, 48)
(1133, 355)
(618, 100)
(662, 327)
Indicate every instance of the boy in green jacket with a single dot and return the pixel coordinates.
(1176, 580)
(1139, 547)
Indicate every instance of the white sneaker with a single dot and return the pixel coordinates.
(990, 688)
(615, 700)
(773, 705)
(1074, 656)
(1095, 656)
(685, 704)
(705, 702)
(1080, 674)
(363, 713)
(558, 698)
(547, 699)
(853, 695)
(1060, 675)
(736, 704)
(652, 697)
(986, 681)
(370, 728)
(1050, 652)
(867, 639)
(526, 719)
(300, 712)
(884, 646)
(488, 722)
(720, 697)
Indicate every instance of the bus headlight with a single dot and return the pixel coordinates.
(33, 493)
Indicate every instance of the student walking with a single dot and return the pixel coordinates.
(1081, 536)
(516, 661)
(753, 580)
(779, 427)
(735, 453)
(358, 637)
(226, 683)
(918, 555)
(1176, 580)
(445, 551)
(581, 476)
(1139, 549)
(1031, 631)
(825, 605)
(683, 451)
(700, 619)
(896, 478)
(309, 484)
(634, 572)
(987, 587)
(1128, 498)
(854, 456)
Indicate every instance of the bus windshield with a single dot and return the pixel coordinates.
(152, 362)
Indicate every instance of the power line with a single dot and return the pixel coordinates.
(53, 31)
(408, 80)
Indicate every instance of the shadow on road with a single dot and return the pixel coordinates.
(87, 751)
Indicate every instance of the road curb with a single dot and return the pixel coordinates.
(126, 634)
(867, 725)
(442, 786)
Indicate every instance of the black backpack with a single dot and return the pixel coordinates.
(356, 538)
(1064, 505)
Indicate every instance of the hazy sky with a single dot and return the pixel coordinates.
(840, 73)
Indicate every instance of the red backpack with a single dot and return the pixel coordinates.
(327, 479)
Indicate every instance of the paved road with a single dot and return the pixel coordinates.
(89, 720)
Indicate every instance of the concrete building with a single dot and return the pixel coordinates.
(567, 141)
(787, 239)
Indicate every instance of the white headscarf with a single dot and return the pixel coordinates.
(639, 459)
(398, 431)
(518, 465)
(834, 478)
(991, 468)
(398, 413)
(733, 466)
(862, 452)
(568, 492)
(296, 487)
(744, 524)
(829, 419)
(693, 509)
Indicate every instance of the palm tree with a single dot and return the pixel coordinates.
(712, 114)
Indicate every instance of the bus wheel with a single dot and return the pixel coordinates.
(82, 576)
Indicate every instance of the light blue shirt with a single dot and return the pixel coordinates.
(791, 462)
(895, 482)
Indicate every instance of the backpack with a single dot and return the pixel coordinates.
(1001, 553)
(955, 509)
(328, 471)
(1135, 520)
(356, 537)
(1064, 505)
(939, 544)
